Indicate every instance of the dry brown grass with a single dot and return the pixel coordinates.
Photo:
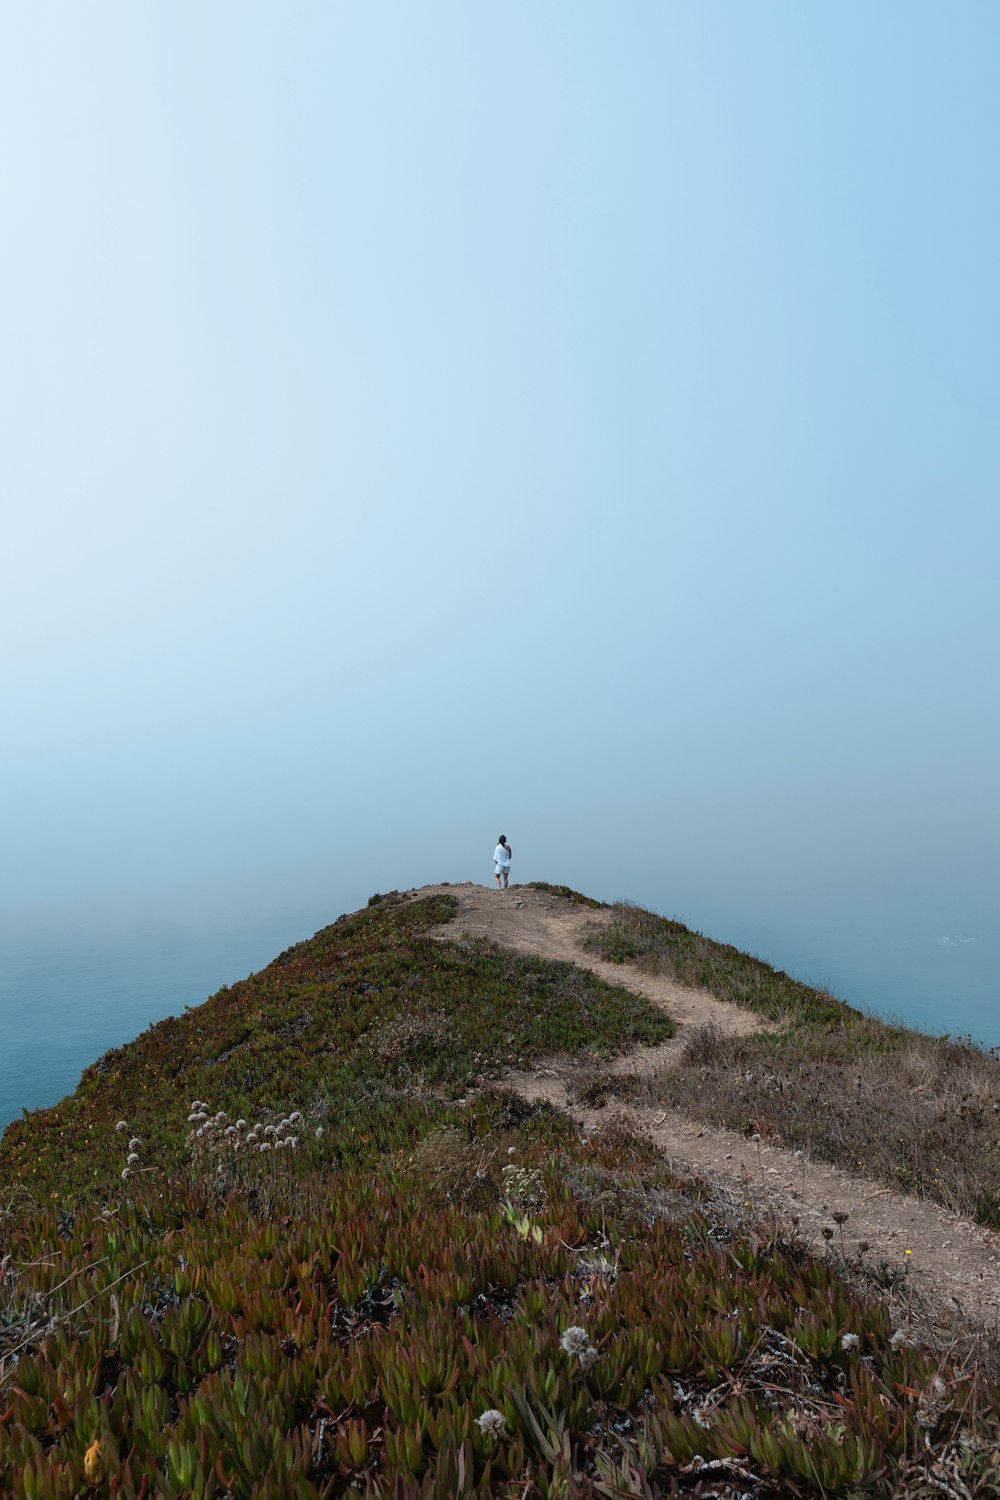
(923, 1114)
(920, 1112)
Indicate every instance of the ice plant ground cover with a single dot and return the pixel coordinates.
(420, 1297)
(921, 1112)
(359, 1333)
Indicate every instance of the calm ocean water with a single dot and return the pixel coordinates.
(62, 1005)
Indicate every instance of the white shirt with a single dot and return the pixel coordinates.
(501, 857)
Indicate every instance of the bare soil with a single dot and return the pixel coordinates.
(951, 1263)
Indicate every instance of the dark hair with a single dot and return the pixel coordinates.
(502, 839)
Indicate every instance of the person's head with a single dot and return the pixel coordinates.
(502, 839)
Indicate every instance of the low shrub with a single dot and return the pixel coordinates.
(566, 893)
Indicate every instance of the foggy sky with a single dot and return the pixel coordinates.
(418, 422)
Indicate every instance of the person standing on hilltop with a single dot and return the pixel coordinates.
(501, 862)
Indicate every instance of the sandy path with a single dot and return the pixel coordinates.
(953, 1263)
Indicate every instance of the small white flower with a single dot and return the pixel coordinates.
(194, 1116)
(899, 1339)
(492, 1424)
(220, 1114)
(294, 1117)
(511, 1150)
(575, 1341)
(241, 1124)
(319, 1132)
(264, 1146)
(199, 1132)
(230, 1130)
(292, 1141)
(134, 1143)
(122, 1125)
(270, 1130)
(125, 1173)
(132, 1156)
(850, 1341)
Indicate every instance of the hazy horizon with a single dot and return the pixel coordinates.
(417, 423)
(67, 1001)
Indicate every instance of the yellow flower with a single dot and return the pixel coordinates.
(907, 1252)
(93, 1464)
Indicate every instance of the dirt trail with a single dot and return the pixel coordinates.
(953, 1263)
(552, 927)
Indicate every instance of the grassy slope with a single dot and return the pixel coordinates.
(369, 1023)
(334, 1317)
(921, 1112)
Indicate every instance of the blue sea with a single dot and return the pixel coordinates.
(64, 1002)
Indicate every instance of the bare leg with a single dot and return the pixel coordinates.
(499, 886)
